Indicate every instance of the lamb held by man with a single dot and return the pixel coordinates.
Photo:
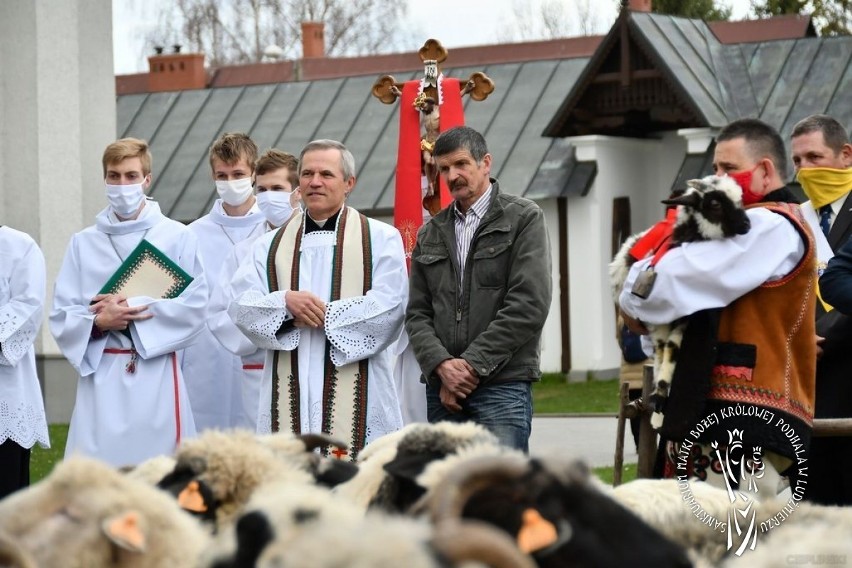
(711, 208)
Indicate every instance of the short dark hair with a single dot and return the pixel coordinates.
(274, 160)
(461, 138)
(832, 131)
(762, 140)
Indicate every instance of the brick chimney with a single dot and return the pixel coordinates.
(640, 5)
(313, 39)
(176, 71)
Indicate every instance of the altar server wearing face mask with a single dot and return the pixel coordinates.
(213, 374)
(277, 193)
(132, 402)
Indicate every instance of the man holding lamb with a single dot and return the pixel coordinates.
(750, 301)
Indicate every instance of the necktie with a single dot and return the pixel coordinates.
(825, 219)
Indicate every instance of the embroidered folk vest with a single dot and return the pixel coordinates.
(766, 352)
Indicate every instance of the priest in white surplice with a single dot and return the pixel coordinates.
(131, 400)
(22, 419)
(214, 375)
(326, 294)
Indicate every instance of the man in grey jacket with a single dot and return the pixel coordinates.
(479, 296)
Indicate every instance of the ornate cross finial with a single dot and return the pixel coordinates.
(429, 105)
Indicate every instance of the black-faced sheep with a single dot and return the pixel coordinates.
(554, 510)
(87, 514)
(215, 474)
(390, 469)
(711, 208)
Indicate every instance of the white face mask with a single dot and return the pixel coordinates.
(125, 199)
(234, 192)
(275, 206)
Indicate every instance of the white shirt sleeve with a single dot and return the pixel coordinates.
(712, 274)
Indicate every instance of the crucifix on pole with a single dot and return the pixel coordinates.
(428, 106)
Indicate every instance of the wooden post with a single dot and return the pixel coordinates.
(618, 466)
(647, 437)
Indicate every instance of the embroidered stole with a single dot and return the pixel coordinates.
(344, 407)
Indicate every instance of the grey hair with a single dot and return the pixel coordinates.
(347, 160)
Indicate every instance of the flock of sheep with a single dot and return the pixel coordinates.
(430, 495)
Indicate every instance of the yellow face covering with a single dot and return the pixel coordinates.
(825, 185)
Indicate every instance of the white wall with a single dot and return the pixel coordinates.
(551, 337)
(642, 170)
(57, 103)
(57, 113)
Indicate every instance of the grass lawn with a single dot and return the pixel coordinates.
(551, 396)
(555, 396)
(42, 461)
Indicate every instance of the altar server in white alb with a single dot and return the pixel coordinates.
(326, 294)
(214, 375)
(22, 420)
(277, 191)
(131, 399)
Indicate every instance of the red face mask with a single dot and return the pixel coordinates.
(743, 179)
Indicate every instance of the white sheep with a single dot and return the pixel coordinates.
(152, 470)
(215, 474)
(711, 208)
(85, 513)
(665, 505)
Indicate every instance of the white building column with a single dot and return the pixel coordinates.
(57, 113)
(643, 170)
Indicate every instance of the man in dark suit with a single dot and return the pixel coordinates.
(822, 157)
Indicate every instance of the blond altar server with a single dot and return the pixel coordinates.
(275, 179)
(131, 399)
(326, 294)
(214, 376)
(22, 419)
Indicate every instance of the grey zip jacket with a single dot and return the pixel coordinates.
(494, 320)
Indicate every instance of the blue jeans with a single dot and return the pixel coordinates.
(504, 408)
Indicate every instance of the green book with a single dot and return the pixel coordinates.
(148, 272)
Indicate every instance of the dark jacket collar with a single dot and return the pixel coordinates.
(781, 195)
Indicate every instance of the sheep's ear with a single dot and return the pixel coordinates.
(125, 530)
(192, 498)
(696, 183)
(536, 532)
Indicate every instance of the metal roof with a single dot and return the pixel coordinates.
(181, 126)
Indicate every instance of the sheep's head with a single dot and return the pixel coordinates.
(87, 514)
(712, 208)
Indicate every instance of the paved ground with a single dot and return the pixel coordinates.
(591, 438)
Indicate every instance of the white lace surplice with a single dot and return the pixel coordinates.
(358, 327)
(22, 277)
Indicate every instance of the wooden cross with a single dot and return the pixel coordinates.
(388, 90)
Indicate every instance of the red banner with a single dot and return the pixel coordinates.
(408, 202)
